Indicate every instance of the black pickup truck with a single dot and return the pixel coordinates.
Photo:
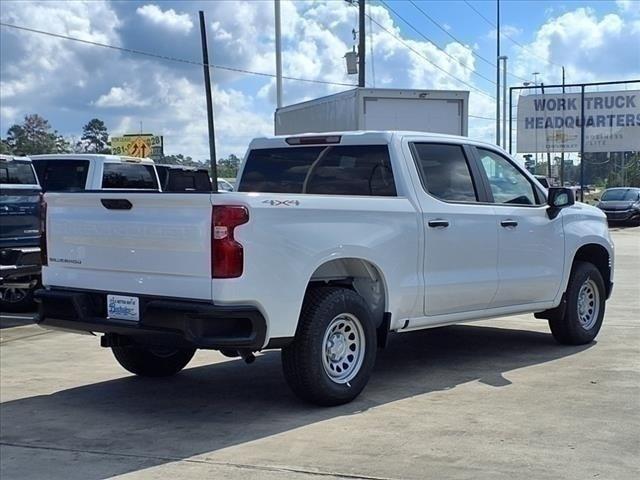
(19, 233)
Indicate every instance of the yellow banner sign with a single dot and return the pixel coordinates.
(141, 146)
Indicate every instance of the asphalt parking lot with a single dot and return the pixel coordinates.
(495, 399)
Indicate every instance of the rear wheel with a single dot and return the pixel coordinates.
(584, 310)
(16, 299)
(331, 358)
(148, 361)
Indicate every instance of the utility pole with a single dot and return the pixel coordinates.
(563, 140)
(207, 87)
(545, 141)
(276, 5)
(535, 91)
(361, 45)
(498, 72)
(504, 100)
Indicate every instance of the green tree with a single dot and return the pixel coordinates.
(35, 136)
(228, 167)
(180, 159)
(5, 149)
(95, 137)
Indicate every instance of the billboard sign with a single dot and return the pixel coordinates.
(552, 122)
(138, 145)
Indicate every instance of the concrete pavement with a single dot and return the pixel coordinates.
(495, 399)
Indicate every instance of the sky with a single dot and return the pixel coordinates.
(69, 82)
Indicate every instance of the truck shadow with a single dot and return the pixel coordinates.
(208, 408)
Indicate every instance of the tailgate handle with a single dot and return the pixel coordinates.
(116, 203)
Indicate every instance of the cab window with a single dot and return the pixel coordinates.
(129, 176)
(508, 184)
(444, 172)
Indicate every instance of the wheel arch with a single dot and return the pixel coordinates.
(360, 274)
(600, 257)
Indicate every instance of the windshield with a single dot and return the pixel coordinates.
(621, 194)
(17, 173)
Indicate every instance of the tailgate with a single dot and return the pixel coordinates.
(122, 242)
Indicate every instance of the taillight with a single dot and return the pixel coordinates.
(43, 231)
(227, 257)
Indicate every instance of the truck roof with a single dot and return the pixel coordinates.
(93, 157)
(361, 137)
(10, 158)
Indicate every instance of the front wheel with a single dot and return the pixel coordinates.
(584, 310)
(332, 356)
(148, 361)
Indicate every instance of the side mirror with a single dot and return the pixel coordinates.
(596, 199)
(557, 199)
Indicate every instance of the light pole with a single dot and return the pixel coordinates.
(535, 91)
(276, 5)
(504, 98)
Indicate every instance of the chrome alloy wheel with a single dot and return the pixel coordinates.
(343, 348)
(588, 304)
(13, 295)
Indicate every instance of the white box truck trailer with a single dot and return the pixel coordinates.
(437, 111)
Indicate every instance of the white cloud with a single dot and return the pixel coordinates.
(124, 89)
(169, 19)
(631, 7)
(42, 66)
(505, 30)
(592, 48)
(125, 96)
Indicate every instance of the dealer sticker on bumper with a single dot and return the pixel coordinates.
(123, 308)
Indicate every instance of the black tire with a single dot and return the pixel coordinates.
(569, 329)
(17, 300)
(148, 361)
(303, 360)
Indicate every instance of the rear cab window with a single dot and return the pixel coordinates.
(17, 172)
(176, 179)
(132, 176)
(62, 175)
(363, 170)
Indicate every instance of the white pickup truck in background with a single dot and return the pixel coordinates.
(331, 242)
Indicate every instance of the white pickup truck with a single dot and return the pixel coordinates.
(331, 242)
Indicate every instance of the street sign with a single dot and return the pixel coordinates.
(138, 145)
(552, 122)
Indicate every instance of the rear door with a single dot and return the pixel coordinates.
(130, 242)
(460, 253)
(531, 245)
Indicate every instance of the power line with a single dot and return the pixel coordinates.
(478, 12)
(171, 59)
(434, 43)
(453, 37)
(406, 45)
(524, 47)
(482, 118)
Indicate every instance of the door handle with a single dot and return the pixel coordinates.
(509, 223)
(438, 223)
(116, 203)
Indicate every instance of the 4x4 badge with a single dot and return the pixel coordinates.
(282, 203)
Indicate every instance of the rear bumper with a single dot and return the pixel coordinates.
(183, 323)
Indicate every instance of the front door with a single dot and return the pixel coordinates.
(530, 244)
